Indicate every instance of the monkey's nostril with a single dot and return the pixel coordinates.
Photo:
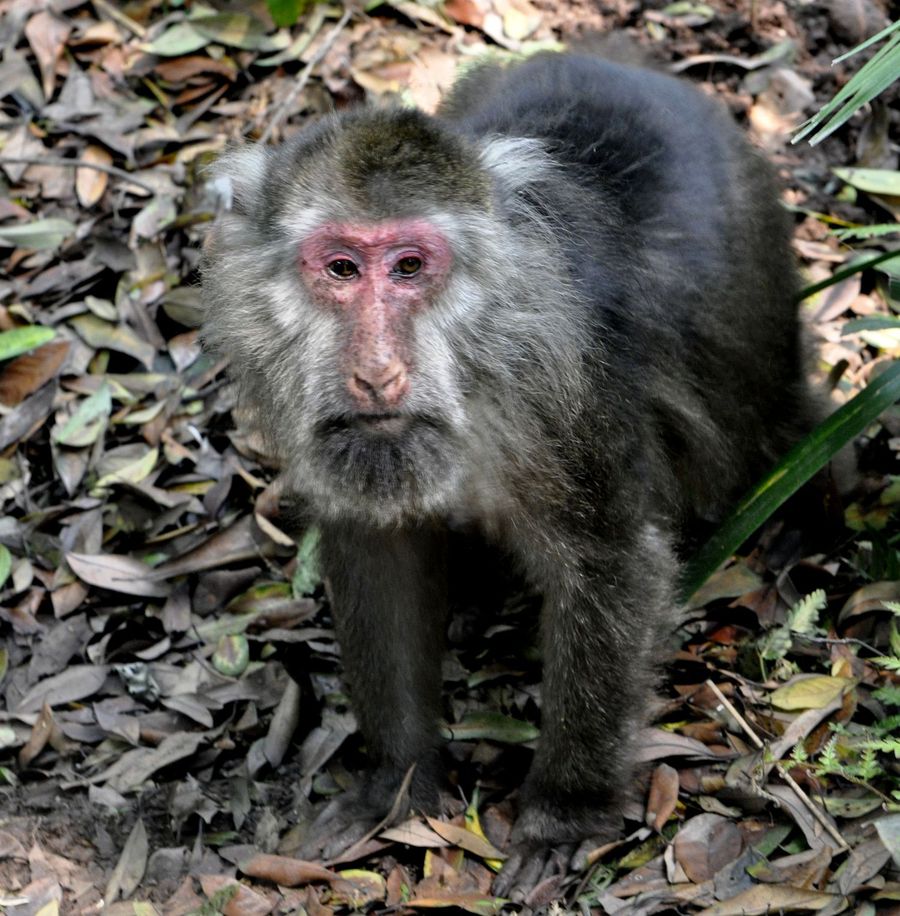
(362, 385)
(387, 386)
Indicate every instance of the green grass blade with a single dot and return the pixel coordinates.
(797, 467)
(878, 36)
(872, 79)
(854, 268)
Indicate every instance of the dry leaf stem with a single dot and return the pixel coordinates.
(282, 110)
(811, 806)
(78, 164)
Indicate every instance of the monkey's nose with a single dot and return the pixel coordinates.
(383, 386)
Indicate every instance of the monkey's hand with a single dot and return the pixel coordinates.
(546, 843)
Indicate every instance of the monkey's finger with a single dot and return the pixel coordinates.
(580, 856)
(558, 861)
(521, 872)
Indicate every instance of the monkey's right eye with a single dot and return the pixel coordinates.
(343, 268)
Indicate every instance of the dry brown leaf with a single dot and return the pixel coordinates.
(663, 796)
(286, 870)
(25, 374)
(283, 724)
(11, 847)
(244, 902)
(129, 870)
(74, 683)
(465, 839)
(817, 837)
(138, 765)
(28, 417)
(766, 898)
(705, 844)
(414, 833)
(869, 598)
(656, 743)
(117, 573)
(805, 869)
(467, 12)
(241, 541)
(431, 76)
(40, 735)
(47, 35)
(91, 183)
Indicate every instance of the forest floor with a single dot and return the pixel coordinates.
(155, 756)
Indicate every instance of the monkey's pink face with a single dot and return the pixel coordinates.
(376, 278)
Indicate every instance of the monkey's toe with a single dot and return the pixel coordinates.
(528, 865)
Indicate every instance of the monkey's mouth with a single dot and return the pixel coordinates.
(369, 424)
(390, 424)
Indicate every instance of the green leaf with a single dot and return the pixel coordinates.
(286, 12)
(493, 726)
(867, 232)
(872, 181)
(871, 323)
(307, 576)
(21, 340)
(88, 421)
(40, 234)
(810, 692)
(237, 30)
(5, 564)
(232, 655)
(178, 39)
(790, 474)
(803, 617)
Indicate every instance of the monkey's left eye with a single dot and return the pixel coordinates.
(342, 268)
(407, 267)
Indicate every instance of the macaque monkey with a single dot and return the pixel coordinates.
(560, 314)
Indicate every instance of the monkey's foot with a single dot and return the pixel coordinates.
(548, 841)
(527, 866)
(382, 798)
(341, 824)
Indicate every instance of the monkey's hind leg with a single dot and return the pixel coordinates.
(388, 590)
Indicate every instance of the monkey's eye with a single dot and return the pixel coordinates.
(343, 268)
(407, 267)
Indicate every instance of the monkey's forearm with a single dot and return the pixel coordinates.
(388, 590)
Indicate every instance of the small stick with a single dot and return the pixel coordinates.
(304, 76)
(108, 9)
(78, 164)
(808, 803)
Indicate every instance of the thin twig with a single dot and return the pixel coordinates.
(108, 9)
(808, 803)
(78, 164)
(303, 78)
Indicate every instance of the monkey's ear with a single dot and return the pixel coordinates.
(236, 177)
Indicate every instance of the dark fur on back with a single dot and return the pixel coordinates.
(675, 228)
